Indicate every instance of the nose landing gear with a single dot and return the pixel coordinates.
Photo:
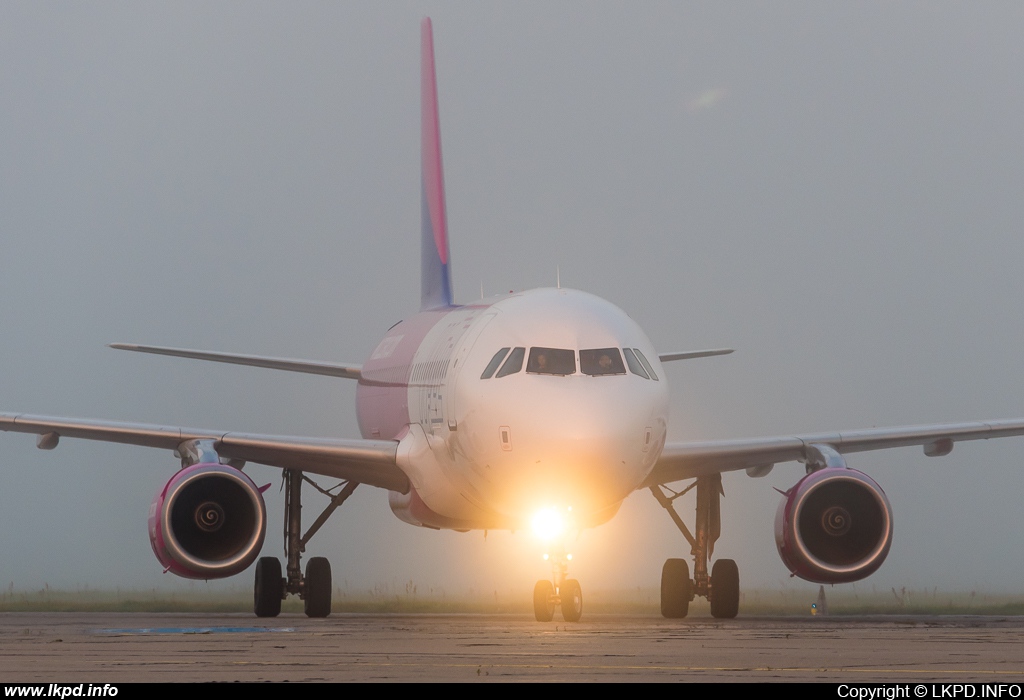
(722, 587)
(562, 592)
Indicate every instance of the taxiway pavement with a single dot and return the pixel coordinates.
(126, 647)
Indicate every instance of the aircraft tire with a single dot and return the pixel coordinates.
(543, 606)
(725, 589)
(572, 600)
(675, 589)
(317, 598)
(269, 588)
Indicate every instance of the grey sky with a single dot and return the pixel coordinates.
(834, 189)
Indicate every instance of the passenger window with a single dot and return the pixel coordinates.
(513, 364)
(634, 364)
(646, 364)
(493, 364)
(601, 361)
(551, 361)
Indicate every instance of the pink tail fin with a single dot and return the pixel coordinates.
(436, 286)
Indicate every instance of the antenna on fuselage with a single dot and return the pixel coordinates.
(558, 277)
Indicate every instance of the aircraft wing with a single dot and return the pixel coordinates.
(689, 460)
(371, 462)
(330, 369)
(692, 354)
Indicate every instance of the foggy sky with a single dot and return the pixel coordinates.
(833, 189)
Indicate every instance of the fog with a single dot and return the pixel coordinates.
(833, 189)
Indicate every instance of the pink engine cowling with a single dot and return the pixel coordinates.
(834, 526)
(208, 521)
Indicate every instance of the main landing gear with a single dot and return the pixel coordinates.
(315, 586)
(563, 592)
(722, 587)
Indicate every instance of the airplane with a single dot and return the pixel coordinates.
(539, 410)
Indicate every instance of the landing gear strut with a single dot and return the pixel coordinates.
(563, 592)
(722, 586)
(315, 586)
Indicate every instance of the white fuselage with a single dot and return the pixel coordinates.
(489, 450)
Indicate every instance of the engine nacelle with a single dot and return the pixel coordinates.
(834, 526)
(207, 522)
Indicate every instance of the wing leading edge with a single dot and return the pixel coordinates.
(371, 462)
(331, 369)
(693, 354)
(689, 460)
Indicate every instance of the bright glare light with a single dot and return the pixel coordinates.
(548, 524)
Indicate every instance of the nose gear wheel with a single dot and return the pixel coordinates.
(563, 592)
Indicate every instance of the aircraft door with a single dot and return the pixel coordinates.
(468, 340)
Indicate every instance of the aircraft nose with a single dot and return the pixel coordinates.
(562, 449)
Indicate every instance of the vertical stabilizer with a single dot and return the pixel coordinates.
(436, 285)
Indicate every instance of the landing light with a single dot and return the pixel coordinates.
(548, 524)
(547, 556)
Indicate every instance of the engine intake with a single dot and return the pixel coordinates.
(834, 526)
(208, 521)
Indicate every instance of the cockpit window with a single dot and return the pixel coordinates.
(601, 361)
(634, 364)
(513, 364)
(647, 365)
(493, 364)
(551, 361)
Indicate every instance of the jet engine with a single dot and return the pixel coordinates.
(834, 526)
(208, 521)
